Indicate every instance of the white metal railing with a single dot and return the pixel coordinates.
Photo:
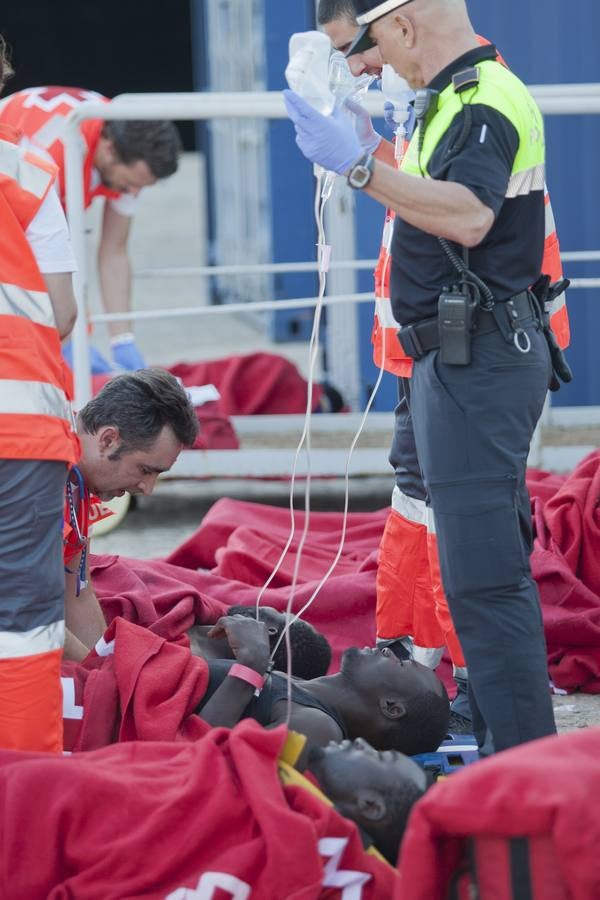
(273, 268)
(552, 99)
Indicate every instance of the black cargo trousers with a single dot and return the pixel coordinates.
(473, 427)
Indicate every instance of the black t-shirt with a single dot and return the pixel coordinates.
(509, 258)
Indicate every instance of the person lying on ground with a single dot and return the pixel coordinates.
(258, 826)
(130, 433)
(311, 653)
(392, 704)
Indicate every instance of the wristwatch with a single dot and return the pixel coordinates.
(361, 172)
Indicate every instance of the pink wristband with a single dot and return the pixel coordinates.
(251, 676)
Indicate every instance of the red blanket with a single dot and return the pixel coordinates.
(252, 384)
(207, 819)
(540, 790)
(566, 566)
(238, 543)
(144, 689)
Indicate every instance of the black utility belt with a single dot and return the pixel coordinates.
(507, 317)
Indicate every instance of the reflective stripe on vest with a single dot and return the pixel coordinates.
(42, 639)
(33, 305)
(30, 398)
(19, 167)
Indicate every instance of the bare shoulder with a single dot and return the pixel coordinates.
(314, 723)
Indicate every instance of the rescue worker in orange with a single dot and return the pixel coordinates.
(121, 158)
(130, 433)
(37, 442)
(412, 612)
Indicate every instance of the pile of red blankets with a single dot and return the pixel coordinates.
(237, 545)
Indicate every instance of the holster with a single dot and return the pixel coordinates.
(545, 293)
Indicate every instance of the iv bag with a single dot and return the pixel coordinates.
(397, 90)
(307, 72)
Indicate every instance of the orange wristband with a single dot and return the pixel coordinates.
(250, 676)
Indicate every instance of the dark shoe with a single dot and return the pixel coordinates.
(459, 724)
(397, 647)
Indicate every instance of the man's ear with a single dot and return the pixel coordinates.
(371, 805)
(109, 438)
(407, 30)
(391, 708)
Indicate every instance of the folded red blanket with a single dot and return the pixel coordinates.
(205, 819)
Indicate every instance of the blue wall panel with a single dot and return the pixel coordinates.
(552, 42)
(545, 42)
(292, 182)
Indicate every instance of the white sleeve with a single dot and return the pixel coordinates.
(48, 236)
(124, 204)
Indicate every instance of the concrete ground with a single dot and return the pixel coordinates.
(170, 231)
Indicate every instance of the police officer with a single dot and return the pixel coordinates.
(473, 177)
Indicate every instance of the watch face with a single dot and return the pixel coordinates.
(360, 176)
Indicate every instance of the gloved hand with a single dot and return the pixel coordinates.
(98, 365)
(389, 111)
(388, 114)
(126, 355)
(368, 137)
(328, 141)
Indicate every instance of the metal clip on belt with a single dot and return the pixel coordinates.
(422, 337)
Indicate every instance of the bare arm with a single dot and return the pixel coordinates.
(249, 642)
(443, 208)
(114, 269)
(60, 291)
(74, 650)
(84, 618)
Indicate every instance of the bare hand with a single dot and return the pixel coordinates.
(248, 639)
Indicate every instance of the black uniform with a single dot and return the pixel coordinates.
(473, 423)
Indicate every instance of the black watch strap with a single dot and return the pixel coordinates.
(361, 172)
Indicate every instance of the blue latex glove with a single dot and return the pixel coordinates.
(368, 137)
(328, 141)
(388, 114)
(127, 356)
(98, 364)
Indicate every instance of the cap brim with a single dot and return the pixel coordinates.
(361, 42)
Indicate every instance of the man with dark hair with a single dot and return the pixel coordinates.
(311, 653)
(392, 704)
(130, 433)
(121, 158)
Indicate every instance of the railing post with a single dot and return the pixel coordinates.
(75, 214)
